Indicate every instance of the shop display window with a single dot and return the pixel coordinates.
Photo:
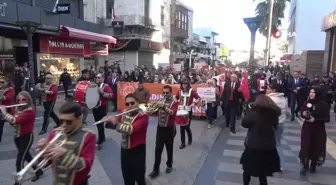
(55, 64)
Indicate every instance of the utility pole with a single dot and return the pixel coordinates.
(172, 31)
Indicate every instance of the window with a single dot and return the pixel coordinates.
(109, 8)
(162, 15)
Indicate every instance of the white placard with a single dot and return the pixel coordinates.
(207, 93)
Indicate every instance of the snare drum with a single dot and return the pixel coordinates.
(182, 117)
(86, 93)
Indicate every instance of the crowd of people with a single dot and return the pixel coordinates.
(273, 92)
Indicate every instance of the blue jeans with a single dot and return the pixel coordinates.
(210, 110)
(278, 135)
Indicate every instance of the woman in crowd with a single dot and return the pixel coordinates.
(211, 107)
(23, 124)
(315, 113)
(126, 77)
(275, 92)
(260, 157)
(169, 80)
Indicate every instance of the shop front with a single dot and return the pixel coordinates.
(329, 26)
(134, 52)
(72, 53)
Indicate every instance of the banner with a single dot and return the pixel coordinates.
(155, 91)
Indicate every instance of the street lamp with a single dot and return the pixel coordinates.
(29, 28)
(191, 52)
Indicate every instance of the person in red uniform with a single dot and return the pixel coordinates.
(133, 127)
(48, 92)
(166, 131)
(71, 162)
(100, 111)
(7, 97)
(190, 97)
(23, 124)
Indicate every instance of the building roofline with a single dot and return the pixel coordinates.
(178, 2)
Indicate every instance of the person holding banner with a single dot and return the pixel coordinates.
(211, 107)
(188, 98)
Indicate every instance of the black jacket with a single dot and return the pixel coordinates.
(261, 123)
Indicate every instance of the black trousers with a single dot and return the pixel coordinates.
(2, 123)
(210, 112)
(247, 179)
(185, 129)
(66, 88)
(164, 137)
(231, 114)
(49, 112)
(23, 144)
(133, 165)
(98, 114)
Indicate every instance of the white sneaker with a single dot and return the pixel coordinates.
(209, 126)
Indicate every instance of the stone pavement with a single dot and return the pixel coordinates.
(222, 166)
(107, 170)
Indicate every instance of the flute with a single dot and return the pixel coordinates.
(104, 120)
(15, 105)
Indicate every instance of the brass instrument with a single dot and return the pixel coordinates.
(42, 89)
(152, 108)
(59, 139)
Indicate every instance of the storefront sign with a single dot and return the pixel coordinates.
(154, 45)
(3, 9)
(329, 21)
(99, 49)
(63, 8)
(54, 44)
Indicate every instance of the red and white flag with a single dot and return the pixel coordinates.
(112, 15)
(244, 88)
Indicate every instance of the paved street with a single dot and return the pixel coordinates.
(213, 159)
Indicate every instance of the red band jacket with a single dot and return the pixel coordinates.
(22, 121)
(193, 98)
(8, 98)
(133, 129)
(166, 115)
(51, 93)
(106, 96)
(74, 166)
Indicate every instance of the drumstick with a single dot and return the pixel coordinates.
(104, 120)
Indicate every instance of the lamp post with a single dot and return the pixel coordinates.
(191, 52)
(29, 28)
(269, 33)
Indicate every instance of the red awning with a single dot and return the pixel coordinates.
(286, 57)
(82, 34)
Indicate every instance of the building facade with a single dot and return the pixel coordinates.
(306, 24)
(210, 37)
(329, 27)
(61, 39)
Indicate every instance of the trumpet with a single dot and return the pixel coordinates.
(106, 118)
(18, 176)
(154, 107)
(16, 105)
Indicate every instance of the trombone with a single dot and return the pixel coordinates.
(18, 176)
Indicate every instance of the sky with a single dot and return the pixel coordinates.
(226, 18)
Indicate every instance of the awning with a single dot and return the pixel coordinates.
(82, 34)
(286, 57)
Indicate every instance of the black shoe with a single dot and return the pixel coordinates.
(169, 169)
(303, 171)
(99, 146)
(233, 130)
(182, 146)
(312, 169)
(154, 174)
(227, 126)
(42, 132)
(190, 142)
(292, 119)
(37, 176)
(17, 183)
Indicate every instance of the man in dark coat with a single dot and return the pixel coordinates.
(65, 79)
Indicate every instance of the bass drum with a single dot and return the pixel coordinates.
(86, 93)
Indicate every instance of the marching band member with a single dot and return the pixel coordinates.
(100, 111)
(71, 162)
(23, 123)
(7, 96)
(133, 127)
(166, 131)
(188, 99)
(48, 92)
(85, 77)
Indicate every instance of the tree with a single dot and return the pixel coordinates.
(263, 10)
(283, 46)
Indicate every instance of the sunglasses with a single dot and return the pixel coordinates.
(97, 77)
(66, 121)
(2, 82)
(166, 93)
(129, 103)
(21, 99)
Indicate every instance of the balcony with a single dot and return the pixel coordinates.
(135, 20)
